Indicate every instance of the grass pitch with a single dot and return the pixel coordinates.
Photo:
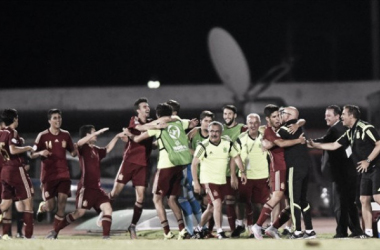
(154, 240)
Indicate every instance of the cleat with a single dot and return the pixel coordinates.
(295, 236)
(207, 234)
(132, 232)
(40, 213)
(107, 237)
(52, 235)
(311, 235)
(238, 230)
(256, 231)
(168, 236)
(99, 220)
(362, 236)
(221, 236)
(6, 237)
(183, 234)
(272, 232)
(286, 231)
(20, 235)
(198, 234)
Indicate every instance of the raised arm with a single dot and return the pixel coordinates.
(295, 126)
(136, 138)
(112, 143)
(325, 146)
(85, 139)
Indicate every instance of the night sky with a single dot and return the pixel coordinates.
(119, 43)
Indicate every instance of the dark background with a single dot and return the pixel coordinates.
(98, 43)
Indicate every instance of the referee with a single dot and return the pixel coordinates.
(362, 141)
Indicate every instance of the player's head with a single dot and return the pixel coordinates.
(289, 113)
(55, 118)
(87, 129)
(332, 114)
(175, 106)
(272, 117)
(229, 114)
(350, 114)
(10, 116)
(142, 107)
(253, 122)
(163, 109)
(205, 118)
(215, 130)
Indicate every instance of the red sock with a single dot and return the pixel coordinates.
(28, 221)
(165, 226)
(137, 211)
(106, 224)
(284, 217)
(231, 214)
(64, 222)
(7, 226)
(181, 225)
(265, 213)
(57, 219)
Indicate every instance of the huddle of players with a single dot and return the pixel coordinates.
(214, 162)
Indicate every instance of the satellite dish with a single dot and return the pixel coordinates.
(229, 62)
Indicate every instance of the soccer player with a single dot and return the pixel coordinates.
(232, 129)
(51, 145)
(189, 204)
(134, 166)
(255, 162)
(174, 155)
(213, 156)
(277, 165)
(16, 184)
(89, 193)
(362, 141)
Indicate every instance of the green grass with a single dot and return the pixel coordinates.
(154, 240)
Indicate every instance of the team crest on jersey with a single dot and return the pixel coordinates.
(224, 150)
(63, 144)
(46, 194)
(120, 177)
(85, 203)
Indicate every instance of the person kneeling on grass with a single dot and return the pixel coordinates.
(89, 193)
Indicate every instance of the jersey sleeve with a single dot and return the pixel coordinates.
(38, 143)
(372, 134)
(270, 135)
(283, 132)
(154, 132)
(199, 152)
(343, 140)
(133, 123)
(70, 144)
(102, 153)
(234, 151)
(185, 123)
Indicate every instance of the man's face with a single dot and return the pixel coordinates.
(143, 110)
(330, 117)
(229, 116)
(55, 121)
(284, 115)
(274, 120)
(253, 124)
(94, 138)
(205, 122)
(346, 118)
(215, 133)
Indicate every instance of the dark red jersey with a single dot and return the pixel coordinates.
(89, 160)
(54, 167)
(276, 153)
(137, 153)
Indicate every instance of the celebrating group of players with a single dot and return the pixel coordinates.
(272, 163)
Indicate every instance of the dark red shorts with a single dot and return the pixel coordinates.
(91, 198)
(167, 181)
(214, 191)
(52, 188)
(17, 187)
(130, 171)
(256, 191)
(227, 189)
(278, 180)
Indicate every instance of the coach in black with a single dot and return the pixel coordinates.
(343, 176)
(363, 142)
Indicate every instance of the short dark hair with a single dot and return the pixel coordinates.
(140, 100)
(8, 116)
(230, 107)
(353, 109)
(269, 109)
(53, 111)
(164, 109)
(206, 113)
(174, 104)
(85, 129)
(336, 109)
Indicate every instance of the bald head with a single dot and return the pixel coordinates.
(289, 113)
